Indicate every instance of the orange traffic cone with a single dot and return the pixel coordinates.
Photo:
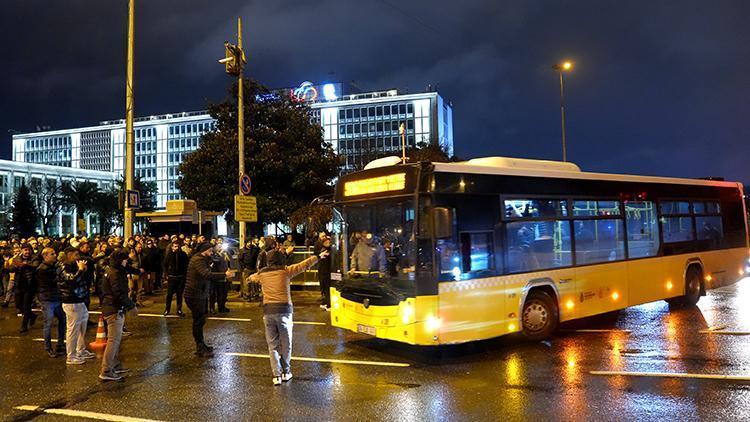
(101, 336)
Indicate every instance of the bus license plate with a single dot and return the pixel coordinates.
(366, 329)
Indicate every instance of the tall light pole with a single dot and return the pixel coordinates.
(565, 66)
(235, 61)
(129, 138)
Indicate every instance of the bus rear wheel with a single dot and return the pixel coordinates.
(539, 317)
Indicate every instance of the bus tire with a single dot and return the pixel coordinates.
(693, 286)
(539, 317)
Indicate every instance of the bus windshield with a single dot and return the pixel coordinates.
(380, 243)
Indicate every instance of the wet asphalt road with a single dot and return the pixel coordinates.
(503, 379)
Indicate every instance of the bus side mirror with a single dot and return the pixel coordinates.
(442, 222)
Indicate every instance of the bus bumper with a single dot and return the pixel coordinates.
(410, 321)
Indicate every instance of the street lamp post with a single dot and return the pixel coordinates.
(129, 138)
(560, 68)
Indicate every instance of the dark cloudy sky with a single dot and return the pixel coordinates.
(660, 87)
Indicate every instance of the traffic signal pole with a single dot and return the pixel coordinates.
(241, 123)
(129, 138)
(234, 62)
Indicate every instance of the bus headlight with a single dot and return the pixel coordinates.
(406, 313)
(335, 301)
(433, 323)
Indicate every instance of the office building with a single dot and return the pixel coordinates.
(13, 174)
(358, 126)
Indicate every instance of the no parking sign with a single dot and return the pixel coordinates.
(245, 184)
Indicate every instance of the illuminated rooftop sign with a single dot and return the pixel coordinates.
(306, 92)
(391, 182)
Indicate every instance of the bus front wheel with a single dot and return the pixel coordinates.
(540, 316)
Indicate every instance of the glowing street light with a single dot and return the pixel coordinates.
(565, 66)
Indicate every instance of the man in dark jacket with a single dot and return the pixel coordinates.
(174, 269)
(324, 274)
(247, 259)
(26, 288)
(199, 277)
(49, 295)
(73, 291)
(84, 253)
(115, 302)
(219, 288)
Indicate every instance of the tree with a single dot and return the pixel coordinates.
(285, 156)
(108, 210)
(81, 196)
(48, 200)
(148, 192)
(24, 214)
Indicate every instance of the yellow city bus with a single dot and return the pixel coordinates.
(442, 253)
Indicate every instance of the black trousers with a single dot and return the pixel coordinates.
(27, 304)
(175, 285)
(325, 291)
(198, 311)
(218, 295)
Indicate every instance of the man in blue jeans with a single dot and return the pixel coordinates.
(275, 280)
(49, 295)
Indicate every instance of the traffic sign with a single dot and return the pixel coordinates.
(245, 209)
(133, 199)
(245, 184)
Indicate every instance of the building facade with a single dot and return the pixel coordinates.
(13, 174)
(358, 127)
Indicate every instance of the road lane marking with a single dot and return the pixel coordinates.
(324, 360)
(84, 414)
(726, 333)
(230, 319)
(672, 375)
(714, 328)
(592, 330)
(250, 320)
(158, 315)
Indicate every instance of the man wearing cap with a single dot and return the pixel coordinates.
(275, 281)
(199, 277)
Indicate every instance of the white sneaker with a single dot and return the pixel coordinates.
(75, 361)
(276, 380)
(324, 307)
(286, 376)
(85, 354)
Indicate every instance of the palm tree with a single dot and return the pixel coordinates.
(82, 196)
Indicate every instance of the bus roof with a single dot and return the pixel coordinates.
(556, 169)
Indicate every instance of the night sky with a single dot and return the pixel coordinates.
(659, 87)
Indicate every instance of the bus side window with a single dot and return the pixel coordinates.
(476, 251)
(643, 229)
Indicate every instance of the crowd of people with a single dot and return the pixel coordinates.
(60, 275)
